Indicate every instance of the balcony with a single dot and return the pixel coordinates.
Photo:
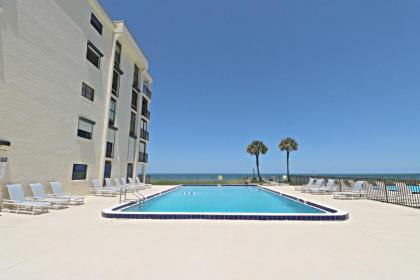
(132, 134)
(144, 134)
(109, 153)
(145, 113)
(134, 98)
(136, 86)
(147, 91)
(143, 157)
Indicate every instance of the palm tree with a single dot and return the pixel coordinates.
(289, 145)
(256, 148)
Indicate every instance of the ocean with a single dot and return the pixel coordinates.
(154, 177)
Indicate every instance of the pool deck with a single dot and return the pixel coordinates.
(380, 241)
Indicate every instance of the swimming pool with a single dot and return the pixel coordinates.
(224, 202)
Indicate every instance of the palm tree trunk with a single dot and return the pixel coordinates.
(258, 167)
(287, 163)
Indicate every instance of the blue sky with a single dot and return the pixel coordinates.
(341, 77)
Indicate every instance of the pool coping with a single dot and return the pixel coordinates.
(331, 214)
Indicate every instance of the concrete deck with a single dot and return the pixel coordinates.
(380, 241)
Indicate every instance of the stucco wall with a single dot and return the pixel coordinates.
(42, 67)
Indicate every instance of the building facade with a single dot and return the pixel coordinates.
(74, 94)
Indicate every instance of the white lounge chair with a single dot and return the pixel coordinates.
(122, 184)
(110, 186)
(97, 189)
(324, 190)
(40, 195)
(355, 193)
(140, 183)
(59, 193)
(129, 185)
(317, 185)
(18, 200)
(307, 186)
(136, 185)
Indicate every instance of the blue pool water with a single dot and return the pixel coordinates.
(224, 199)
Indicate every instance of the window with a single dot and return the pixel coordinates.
(142, 147)
(85, 128)
(112, 112)
(115, 82)
(143, 125)
(110, 141)
(143, 157)
(136, 77)
(146, 90)
(144, 134)
(107, 169)
(133, 124)
(117, 58)
(134, 98)
(93, 55)
(94, 21)
(144, 108)
(144, 104)
(131, 148)
(88, 92)
(79, 172)
(129, 170)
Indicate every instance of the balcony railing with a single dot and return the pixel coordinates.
(132, 134)
(136, 86)
(147, 91)
(143, 157)
(144, 134)
(145, 113)
(134, 101)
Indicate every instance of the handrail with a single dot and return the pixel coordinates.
(123, 192)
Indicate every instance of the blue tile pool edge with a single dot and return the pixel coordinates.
(330, 215)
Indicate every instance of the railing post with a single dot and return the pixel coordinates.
(386, 191)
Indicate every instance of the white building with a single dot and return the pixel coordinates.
(74, 94)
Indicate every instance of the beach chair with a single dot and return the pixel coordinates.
(329, 187)
(110, 186)
(138, 186)
(140, 183)
(307, 186)
(40, 195)
(97, 189)
(317, 185)
(355, 193)
(20, 203)
(131, 186)
(58, 192)
(121, 183)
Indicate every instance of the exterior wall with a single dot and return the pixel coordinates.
(142, 167)
(122, 121)
(42, 66)
(130, 56)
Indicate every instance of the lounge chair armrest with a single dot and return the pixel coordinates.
(9, 201)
